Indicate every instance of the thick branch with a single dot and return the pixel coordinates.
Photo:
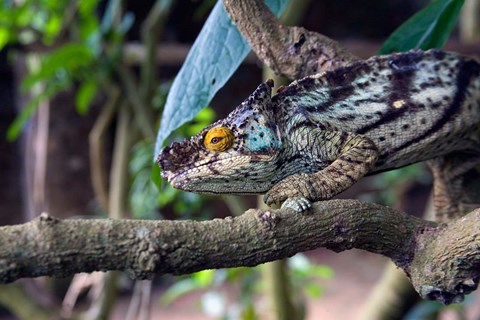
(442, 260)
(292, 52)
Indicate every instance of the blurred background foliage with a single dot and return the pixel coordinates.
(107, 56)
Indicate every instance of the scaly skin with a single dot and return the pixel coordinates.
(321, 134)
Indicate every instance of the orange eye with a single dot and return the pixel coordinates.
(218, 139)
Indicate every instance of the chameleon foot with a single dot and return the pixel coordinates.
(298, 204)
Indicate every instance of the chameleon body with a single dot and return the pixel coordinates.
(321, 134)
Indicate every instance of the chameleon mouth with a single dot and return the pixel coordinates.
(167, 175)
(218, 176)
(211, 185)
(175, 179)
(185, 178)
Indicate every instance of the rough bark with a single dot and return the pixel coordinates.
(292, 52)
(48, 246)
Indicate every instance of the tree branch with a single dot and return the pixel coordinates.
(49, 246)
(292, 52)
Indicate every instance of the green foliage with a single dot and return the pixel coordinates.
(195, 281)
(57, 71)
(429, 28)
(66, 61)
(216, 54)
(143, 195)
(305, 274)
(29, 21)
(85, 59)
(84, 96)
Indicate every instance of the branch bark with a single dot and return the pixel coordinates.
(292, 52)
(49, 246)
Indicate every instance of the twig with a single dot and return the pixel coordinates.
(119, 170)
(142, 112)
(469, 22)
(152, 28)
(96, 140)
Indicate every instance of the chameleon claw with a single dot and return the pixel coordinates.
(298, 204)
(272, 199)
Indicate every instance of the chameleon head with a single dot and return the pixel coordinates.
(235, 155)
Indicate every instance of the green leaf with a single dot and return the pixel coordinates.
(143, 194)
(314, 290)
(196, 281)
(248, 312)
(155, 176)
(24, 15)
(142, 197)
(204, 278)
(87, 7)
(216, 54)
(179, 289)
(203, 118)
(52, 28)
(4, 37)
(168, 194)
(68, 58)
(84, 96)
(322, 271)
(429, 28)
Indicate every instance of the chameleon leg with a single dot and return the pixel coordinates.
(355, 158)
(448, 177)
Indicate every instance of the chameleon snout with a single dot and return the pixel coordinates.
(169, 157)
(164, 164)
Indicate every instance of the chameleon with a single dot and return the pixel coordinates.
(319, 135)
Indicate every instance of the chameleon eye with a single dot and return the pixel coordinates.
(215, 140)
(218, 139)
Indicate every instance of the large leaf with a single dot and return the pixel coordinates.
(216, 54)
(429, 28)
